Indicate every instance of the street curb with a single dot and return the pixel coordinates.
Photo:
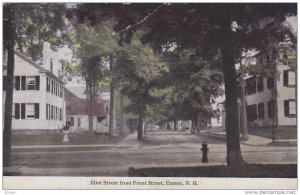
(224, 138)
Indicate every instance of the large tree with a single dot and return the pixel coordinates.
(139, 69)
(229, 28)
(94, 46)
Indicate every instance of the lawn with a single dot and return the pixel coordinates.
(57, 139)
(250, 170)
(280, 133)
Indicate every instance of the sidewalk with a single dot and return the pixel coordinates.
(253, 140)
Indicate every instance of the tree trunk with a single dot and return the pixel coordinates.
(9, 90)
(111, 108)
(90, 110)
(175, 124)
(234, 156)
(243, 111)
(141, 119)
(121, 114)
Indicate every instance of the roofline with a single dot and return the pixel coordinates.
(72, 93)
(41, 69)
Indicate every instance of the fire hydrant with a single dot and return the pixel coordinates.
(204, 150)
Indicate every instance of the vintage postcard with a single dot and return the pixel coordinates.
(150, 96)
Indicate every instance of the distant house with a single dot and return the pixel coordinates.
(77, 109)
(38, 103)
(218, 108)
(272, 100)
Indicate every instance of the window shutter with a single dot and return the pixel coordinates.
(286, 108)
(4, 83)
(17, 82)
(47, 112)
(36, 110)
(37, 82)
(23, 110)
(285, 78)
(23, 83)
(17, 110)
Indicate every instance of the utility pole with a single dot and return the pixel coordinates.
(111, 107)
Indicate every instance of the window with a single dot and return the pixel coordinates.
(52, 86)
(260, 84)
(270, 82)
(271, 108)
(30, 83)
(32, 111)
(289, 78)
(290, 108)
(61, 91)
(48, 84)
(60, 114)
(70, 121)
(51, 65)
(261, 111)
(251, 113)
(251, 85)
(79, 121)
(56, 113)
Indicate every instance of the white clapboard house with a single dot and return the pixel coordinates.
(38, 95)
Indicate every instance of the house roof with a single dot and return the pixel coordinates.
(39, 67)
(78, 91)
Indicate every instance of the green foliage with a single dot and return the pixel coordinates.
(36, 23)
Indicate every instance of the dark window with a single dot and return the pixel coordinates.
(51, 65)
(271, 108)
(289, 78)
(23, 111)
(23, 83)
(56, 113)
(261, 111)
(4, 83)
(57, 90)
(52, 87)
(48, 84)
(17, 84)
(60, 114)
(251, 85)
(251, 113)
(260, 84)
(70, 121)
(47, 112)
(51, 112)
(290, 108)
(17, 110)
(61, 91)
(270, 82)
